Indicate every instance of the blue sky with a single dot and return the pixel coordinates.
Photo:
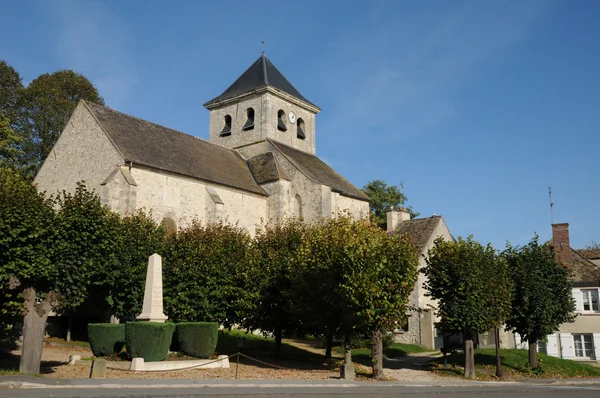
(474, 107)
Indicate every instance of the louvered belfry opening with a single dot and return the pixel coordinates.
(227, 127)
(249, 125)
(281, 121)
(300, 131)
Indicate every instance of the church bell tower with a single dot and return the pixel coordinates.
(262, 104)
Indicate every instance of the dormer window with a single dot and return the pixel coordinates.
(249, 125)
(281, 121)
(227, 127)
(300, 129)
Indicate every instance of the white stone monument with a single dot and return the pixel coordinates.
(153, 298)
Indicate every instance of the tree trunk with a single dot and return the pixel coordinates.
(498, 359)
(348, 349)
(278, 336)
(377, 354)
(469, 356)
(533, 361)
(34, 328)
(328, 345)
(69, 324)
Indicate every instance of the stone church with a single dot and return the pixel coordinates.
(259, 163)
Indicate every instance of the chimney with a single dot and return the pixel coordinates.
(561, 244)
(395, 217)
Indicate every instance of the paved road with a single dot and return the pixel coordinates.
(302, 392)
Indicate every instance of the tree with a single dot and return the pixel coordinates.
(45, 107)
(25, 267)
(82, 243)
(382, 198)
(542, 298)
(10, 92)
(9, 144)
(355, 277)
(472, 287)
(273, 259)
(205, 274)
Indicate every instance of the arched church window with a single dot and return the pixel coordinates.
(169, 225)
(226, 127)
(249, 125)
(298, 206)
(300, 129)
(281, 121)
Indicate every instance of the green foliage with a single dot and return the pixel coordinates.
(148, 340)
(198, 339)
(83, 236)
(382, 198)
(206, 275)
(137, 236)
(9, 144)
(45, 107)
(471, 284)
(273, 258)
(355, 276)
(106, 338)
(10, 92)
(541, 299)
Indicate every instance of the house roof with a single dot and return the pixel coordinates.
(318, 171)
(149, 144)
(419, 230)
(590, 254)
(583, 269)
(262, 73)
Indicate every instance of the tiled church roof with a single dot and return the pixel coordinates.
(318, 171)
(419, 230)
(149, 144)
(261, 73)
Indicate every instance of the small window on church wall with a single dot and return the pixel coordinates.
(169, 225)
(298, 207)
(226, 127)
(300, 130)
(249, 125)
(281, 121)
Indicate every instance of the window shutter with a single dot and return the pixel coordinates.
(552, 346)
(597, 345)
(567, 346)
(577, 295)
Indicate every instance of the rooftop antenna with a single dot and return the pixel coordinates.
(551, 206)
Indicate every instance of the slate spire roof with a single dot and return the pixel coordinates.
(262, 73)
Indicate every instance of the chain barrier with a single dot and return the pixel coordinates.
(237, 355)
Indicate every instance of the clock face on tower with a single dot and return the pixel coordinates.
(292, 117)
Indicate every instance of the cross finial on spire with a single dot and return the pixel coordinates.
(263, 46)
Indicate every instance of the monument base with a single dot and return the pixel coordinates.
(152, 318)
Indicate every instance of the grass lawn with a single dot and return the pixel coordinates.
(515, 366)
(261, 347)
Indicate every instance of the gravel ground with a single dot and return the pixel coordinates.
(55, 365)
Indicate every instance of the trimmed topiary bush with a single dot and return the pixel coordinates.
(148, 340)
(106, 338)
(198, 339)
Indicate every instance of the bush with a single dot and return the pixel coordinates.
(106, 338)
(198, 339)
(148, 340)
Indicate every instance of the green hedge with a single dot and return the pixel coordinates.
(106, 338)
(198, 339)
(148, 340)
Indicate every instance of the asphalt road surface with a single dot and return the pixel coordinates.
(301, 392)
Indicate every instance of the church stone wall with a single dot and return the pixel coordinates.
(82, 153)
(182, 199)
(289, 137)
(357, 208)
